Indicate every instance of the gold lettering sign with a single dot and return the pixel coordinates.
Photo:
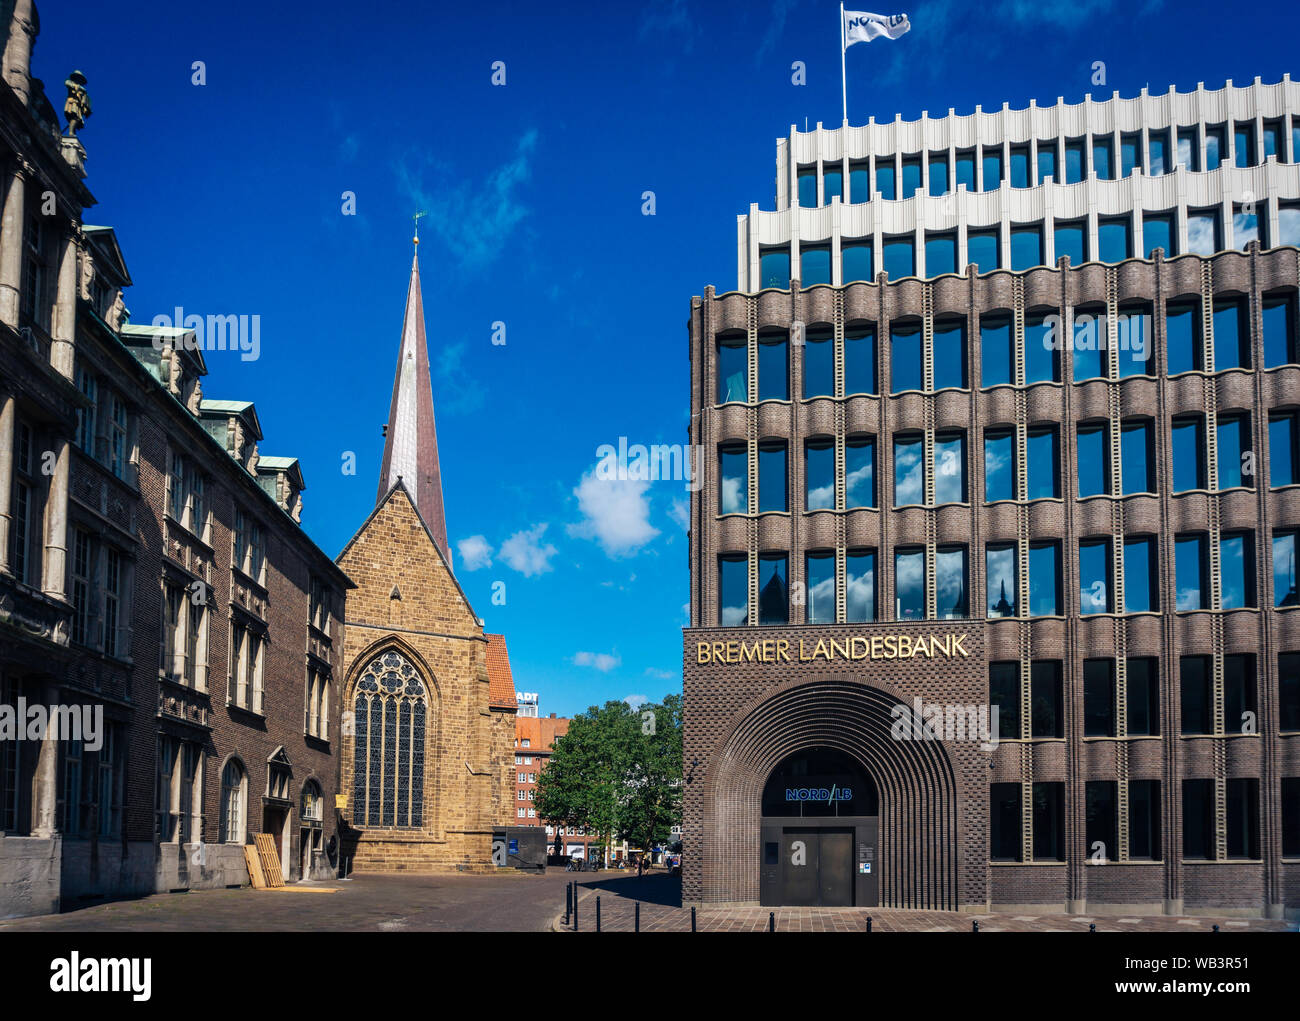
(856, 648)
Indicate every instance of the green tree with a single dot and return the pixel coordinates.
(651, 802)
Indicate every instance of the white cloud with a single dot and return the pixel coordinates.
(635, 701)
(680, 512)
(602, 661)
(663, 675)
(475, 552)
(525, 552)
(616, 513)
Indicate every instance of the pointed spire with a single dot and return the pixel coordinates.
(411, 443)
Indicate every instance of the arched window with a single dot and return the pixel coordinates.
(311, 802)
(234, 789)
(388, 751)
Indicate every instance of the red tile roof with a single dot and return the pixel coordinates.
(501, 685)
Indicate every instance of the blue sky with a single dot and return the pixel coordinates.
(228, 198)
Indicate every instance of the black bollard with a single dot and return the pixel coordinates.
(1216, 928)
(638, 917)
(1092, 926)
(868, 923)
(568, 902)
(771, 921)
(974, 926)
(692, 920)
(598, 912)
(575, 907)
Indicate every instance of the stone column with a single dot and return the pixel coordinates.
(56, 522)
(7, 413)
(11, 246)
(45, 782)
(64, 321)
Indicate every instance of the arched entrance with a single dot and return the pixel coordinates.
(819, 831)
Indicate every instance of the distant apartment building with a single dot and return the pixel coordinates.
(535, 738)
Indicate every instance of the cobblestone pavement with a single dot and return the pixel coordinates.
(509, 901)
(661, 912)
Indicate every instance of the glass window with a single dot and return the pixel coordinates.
(807, 187)
(821, 588)
(1005, 838)
(733, 471)
(856, 262)
(733, 591)
(1044, 579)
(860, 582)
(1283, 461)
(1041, 464)
(1026, 247)
(1047, 162)
(1243, 136)
(1074, 162)
(1231, 340)
(860, 472)
(1093, 452)
(909, 475)
(995, 350)
(909, 584)
(832, 183)
(905, 356)
(1042, 357)
(1288, 223)
(949, 352)
(820, 474)
(819, 362)
(1191, 580)
(1158, 151)
(938, 175)
(1141, 592)
(1133, 336)
(815, 266)
(1090, 340)
(771, 477)
(999, 464)
(1098, 698)
(1158, 232)
(1100, 816)
(950, 583)
(966, 169)
(1000, 573)
(1246, 227)
(1236, 578)
(859, 182)
(1047, 718)
(911, 175)
(1189, 453)
(1183, 343)
(1130, 148)
(733, 368)
(983, 249)
(900, 257)
(1143, 697)
(1071, 240)
(859, 359)
(1196, 694)
(1137, 457)
(773, 366)
(1103, 162)
(949, 468)
(774, 268)
(1278, 320)
(1198, 819)
(1284, 587)
(1233, 442)
(1243, 818)
(773, 589)
(1113, 240)
(1094, 576)
(885, 178)
(940, 254)
(1004, 695)
(1291, 799)
(1189, 152)
(1203, 232)
(1020, 166)
(1238, 693)
(1288, 695)
(992, 168)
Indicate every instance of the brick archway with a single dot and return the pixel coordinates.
(915, 781)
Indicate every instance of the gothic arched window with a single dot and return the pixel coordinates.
(388, 751)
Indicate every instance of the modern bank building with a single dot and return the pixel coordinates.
(993, 588)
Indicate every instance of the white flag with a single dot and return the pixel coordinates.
(861, 27)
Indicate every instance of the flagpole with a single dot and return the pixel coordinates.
(844, 85)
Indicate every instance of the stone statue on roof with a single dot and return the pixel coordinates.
(77, 107)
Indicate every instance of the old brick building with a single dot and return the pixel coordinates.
(152, 568)
(535, 738)
(429, 702)
(1049, 458)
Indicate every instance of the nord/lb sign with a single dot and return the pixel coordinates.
(779, 650)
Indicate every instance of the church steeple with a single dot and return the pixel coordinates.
(411, 438)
